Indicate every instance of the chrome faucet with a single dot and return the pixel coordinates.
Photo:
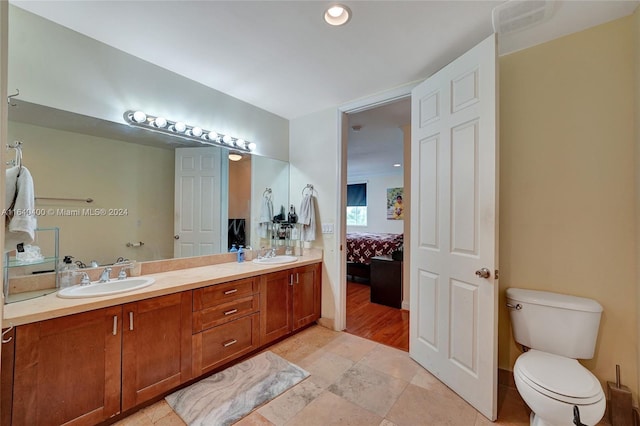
(104, 277)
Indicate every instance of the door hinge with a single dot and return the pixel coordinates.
(497, 274)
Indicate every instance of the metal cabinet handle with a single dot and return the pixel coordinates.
(483, 273)
(229, 343)
(235, 290)
(131, 321)
(232, 311)
(5, 332)
(291, 279)
(297, 278)
(115, 325)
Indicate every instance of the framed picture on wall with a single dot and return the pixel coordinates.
(395, 208)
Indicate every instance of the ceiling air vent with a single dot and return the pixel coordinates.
(516, 15)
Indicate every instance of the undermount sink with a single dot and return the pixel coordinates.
(275, 260)
(114, 286)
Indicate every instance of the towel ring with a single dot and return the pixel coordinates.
(310, 188)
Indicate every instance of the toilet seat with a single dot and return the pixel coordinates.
(563, 379)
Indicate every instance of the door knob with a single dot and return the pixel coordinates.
(176, 237)
(483, 273)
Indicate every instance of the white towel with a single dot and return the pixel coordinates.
(307, 217)
(266, 216)
(23, 224)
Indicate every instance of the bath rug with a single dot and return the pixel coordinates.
(227, 396)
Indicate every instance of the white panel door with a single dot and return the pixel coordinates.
(197, 202)
(454, 150)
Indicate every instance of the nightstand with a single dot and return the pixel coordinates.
(386, 281)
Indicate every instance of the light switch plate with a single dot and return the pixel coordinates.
(327, 228)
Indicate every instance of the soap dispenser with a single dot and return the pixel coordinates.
(66, 270)
(240, 254)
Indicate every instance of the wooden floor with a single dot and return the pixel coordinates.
(382, 324)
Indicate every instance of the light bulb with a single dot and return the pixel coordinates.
(337, 15)
(196, 131)
(227, 139)
(212, 136)
(335, 11)
(139, 117)
(180, 127)
(160, 122)
(251, 146)
(240, 143)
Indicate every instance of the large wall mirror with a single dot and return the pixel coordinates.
(129, 176)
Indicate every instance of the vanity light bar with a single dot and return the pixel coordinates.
(185, 131)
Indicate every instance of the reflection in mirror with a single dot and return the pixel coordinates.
(129, 173)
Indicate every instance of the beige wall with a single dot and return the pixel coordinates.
(313, 153)
(240, 193)
(636, 50)
(117, 175)
(567, 197)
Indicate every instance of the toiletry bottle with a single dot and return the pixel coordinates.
(240, 254)
(65, 271)
(293, 217)
(233, 248)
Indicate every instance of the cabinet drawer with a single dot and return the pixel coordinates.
(221, 344)
(225, 312)
(220, 293)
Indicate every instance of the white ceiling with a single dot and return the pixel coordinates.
(282, 57)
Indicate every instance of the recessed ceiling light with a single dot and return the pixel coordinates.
(337, 14)
(397, 165)
(235, 157)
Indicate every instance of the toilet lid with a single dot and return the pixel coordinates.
(558, 377)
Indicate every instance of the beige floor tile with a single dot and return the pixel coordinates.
(327, 368)
(369, 388)
(386, 422)
(294, 349)
(428, 381)
(158, 410)
(318, 336)
(419, 406)
(391, 361)
(254, 419)
(329, 409)
(350, 346)
(171, 419)
(290, 403)
(135, 419)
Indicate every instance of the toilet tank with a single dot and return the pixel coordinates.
(555, 323)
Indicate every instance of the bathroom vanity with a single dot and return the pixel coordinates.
(84, 361)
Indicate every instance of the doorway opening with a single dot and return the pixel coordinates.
(376, 211)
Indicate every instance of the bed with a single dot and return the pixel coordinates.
(362, 246)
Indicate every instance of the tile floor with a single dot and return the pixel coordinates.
(355, 381)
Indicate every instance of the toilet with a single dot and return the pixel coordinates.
(556, 330)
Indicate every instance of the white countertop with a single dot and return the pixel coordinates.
(52, 306)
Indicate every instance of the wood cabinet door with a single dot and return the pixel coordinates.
(219, 345)
(156, 347)
(275, 306)
(6, 375)
(306, 295)
(67, 370)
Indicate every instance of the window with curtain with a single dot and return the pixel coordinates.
(357, 204)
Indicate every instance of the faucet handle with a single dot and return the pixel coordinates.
(123, 271)
(85, 280)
